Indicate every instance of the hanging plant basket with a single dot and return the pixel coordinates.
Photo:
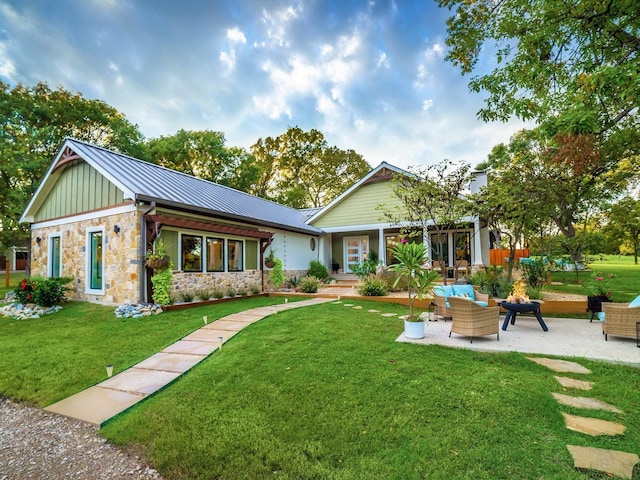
(157, 263)
(269, 263)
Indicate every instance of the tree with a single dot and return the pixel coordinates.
(432, 200)
(34, 123)
(574, 63)
(301, 170)
(624, 221)
(514, 201)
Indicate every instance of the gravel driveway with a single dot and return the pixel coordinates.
(38, 445)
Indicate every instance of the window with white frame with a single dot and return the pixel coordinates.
(95, 260)
(235, 255)
(215, 254)
(191, 253)
(54, 268)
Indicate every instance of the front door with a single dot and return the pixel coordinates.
(356, 251)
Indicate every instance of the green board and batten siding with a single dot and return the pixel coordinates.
(359, 208)
(79, 189)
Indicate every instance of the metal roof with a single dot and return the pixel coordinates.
(147, 182)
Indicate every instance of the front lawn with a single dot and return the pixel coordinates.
(327, 392)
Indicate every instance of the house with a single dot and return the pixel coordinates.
(356, 229)
(97, 212)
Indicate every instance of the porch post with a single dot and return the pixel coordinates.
(477, 243)
(427, 242)
(382, 255)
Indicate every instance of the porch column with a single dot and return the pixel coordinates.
(382, 255)
(477, 243)
(427, 242)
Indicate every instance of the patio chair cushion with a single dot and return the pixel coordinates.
(463, 291)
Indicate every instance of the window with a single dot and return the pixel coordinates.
(55, 256)
(440, 243)
(215, 255)
(191, 253)
(95, 261)
(234, 255)
(390, 242)
(462, 241)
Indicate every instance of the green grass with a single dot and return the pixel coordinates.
(47, 359)
(625, 284)
(326, 392)
(14, 280)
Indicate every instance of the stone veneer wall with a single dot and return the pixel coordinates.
(121, 257)
(223, 281)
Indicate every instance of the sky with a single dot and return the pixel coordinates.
(370, 75)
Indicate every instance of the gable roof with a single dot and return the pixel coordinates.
(146, 182)
(383, 172)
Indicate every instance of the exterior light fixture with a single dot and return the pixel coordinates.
(116, 229)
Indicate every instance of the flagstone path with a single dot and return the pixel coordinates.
(105, 400)
(612, 462)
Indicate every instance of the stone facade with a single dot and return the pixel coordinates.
(121, 256)
(224, 282)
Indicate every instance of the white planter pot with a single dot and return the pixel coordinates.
(414, 329)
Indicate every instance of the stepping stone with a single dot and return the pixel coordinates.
(560, 365)
(348, 304)
(373, 310)
(357, 307)
(389, 315)
(585, 402)
(592, 426)
(338, 302)
(573, 383)
(609, 461)
(170, 362)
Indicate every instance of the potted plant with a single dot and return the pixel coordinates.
(597, 292)
(270, 259)
(157, 258)
(411, 259)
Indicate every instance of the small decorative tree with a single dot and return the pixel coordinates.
(411, 259)
(277, 275)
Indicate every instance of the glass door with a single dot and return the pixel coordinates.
(356, 250)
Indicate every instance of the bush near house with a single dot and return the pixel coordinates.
(43, 292)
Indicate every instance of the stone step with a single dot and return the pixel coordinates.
(609, 461)
(585, 402)
(592, 426)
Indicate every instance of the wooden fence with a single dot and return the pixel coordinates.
(499, 256)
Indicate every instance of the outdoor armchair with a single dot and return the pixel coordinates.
(619, 319)
(441, 295)
(472, 320)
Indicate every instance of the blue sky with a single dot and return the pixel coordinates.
(370, 75)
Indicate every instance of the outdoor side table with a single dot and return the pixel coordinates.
(514, 308)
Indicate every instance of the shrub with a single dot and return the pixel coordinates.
(317, 270)
(203, 294)
(277, 275)
(187, 296)
(231, 292)
(43, 292)
(161, 285)
(218, 294)
(294, 282)
(255, 289)
(242, 292)
(310, 284)
(366, 268)
(374, 286)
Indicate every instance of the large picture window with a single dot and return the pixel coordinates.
(462, 241)
(440, 245)
(215, 255)
(55, 256)
(234, 255)
(95, 261)
(191, 253)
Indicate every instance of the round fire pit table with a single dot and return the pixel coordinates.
(514, 308)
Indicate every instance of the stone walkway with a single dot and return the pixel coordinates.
(105, 400)
(612, 462)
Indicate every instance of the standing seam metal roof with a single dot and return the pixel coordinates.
(147, 181)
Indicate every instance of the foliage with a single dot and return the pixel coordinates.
(431, 199)
(568, 66)
(187, 296)
(317, 269)
(39, 291)
(293, 282)
(365, 268)
(599, 284)
(373, 286)
(218, 294)
(157, 258)
(537, 274)
(624, 223)
(161, 283)
(271, 257)
(277, 275)
(300, 169)
(34, 121)
(230, 292)
(310, 284)
(255, 289)
(411, 258)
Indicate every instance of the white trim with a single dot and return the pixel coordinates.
(49, 253)
(85, 216)
(87, 274)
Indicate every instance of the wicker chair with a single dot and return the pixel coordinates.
(619, 320)
(442, 309)
(472, 320)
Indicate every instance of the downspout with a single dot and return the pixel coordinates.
(143, 252)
